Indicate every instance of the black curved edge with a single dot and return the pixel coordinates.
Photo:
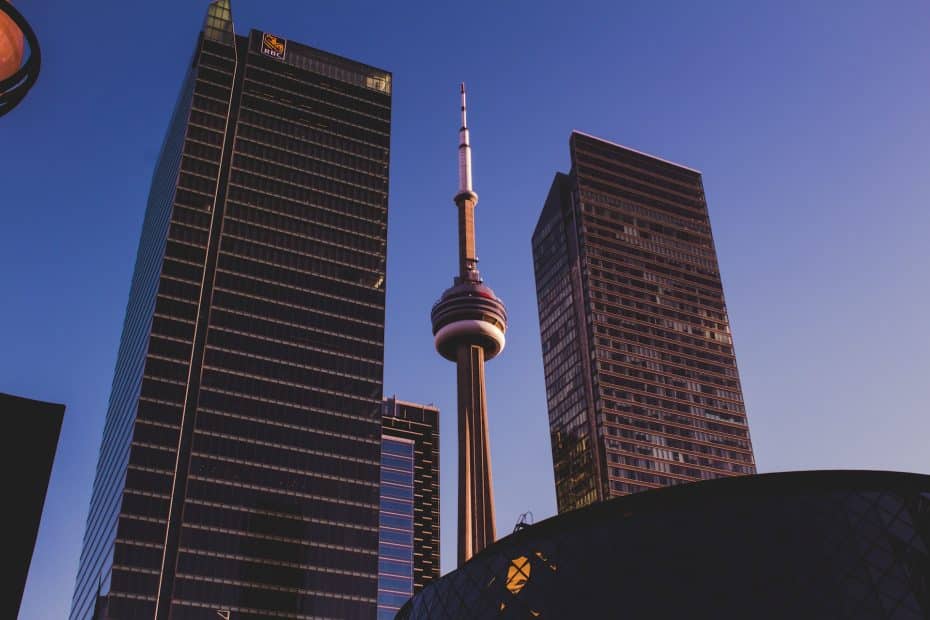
(14, 88)
(703, 492)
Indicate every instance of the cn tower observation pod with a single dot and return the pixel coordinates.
(469, 312)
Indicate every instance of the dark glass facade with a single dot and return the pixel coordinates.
(395, 529)
(34, 426)
(641, 379)
(408, 554)
(829, 545)
(240, 462)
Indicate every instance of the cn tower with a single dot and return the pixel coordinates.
(469, 322)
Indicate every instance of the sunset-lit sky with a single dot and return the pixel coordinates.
(809, 120)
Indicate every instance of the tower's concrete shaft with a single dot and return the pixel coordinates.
(476, 495)
(469, 322)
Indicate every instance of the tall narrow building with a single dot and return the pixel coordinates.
(469, 322)
(408, 553)
(239, 471)
(641, 379)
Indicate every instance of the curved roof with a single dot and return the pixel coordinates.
(678, 497)
(790, 544)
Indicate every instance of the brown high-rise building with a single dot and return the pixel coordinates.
(239, 472)
(641, 379)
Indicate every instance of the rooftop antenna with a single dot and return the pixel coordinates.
(523, 521)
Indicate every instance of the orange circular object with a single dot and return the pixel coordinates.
(11, 47)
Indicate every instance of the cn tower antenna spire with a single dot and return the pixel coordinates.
(469, 322)
(465, 153)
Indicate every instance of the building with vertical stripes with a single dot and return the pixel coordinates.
(239, 472)
(408, 535)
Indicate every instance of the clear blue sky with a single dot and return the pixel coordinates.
(809, 120)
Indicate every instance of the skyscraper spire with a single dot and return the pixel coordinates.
(469, 322)
(218, 25)
(465, 153)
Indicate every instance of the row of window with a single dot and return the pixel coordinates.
(329, 434)
(314, 578)
(284, 115)
(298, 185)
(319, 210)
(324, 409)
(229, 362)
(232, 493)
(657, 458)
(174, 349)
(341, 96)
(214, 91)
(647, 284)
(303, 246)
(347, 121)
(334, 73)
(681, 271)
(700, 260)
(671, 330)
(312, 166)
(303, 234)
(659, 304)
(221, 540)
(303, 336)
(312, 604)
(665, 435)
(299, 355)
(654, 382)
(669, 352)
(657, 171)
(690, 197)
(307, 457)
(167, 390)
(316, 274)
(263, 524)
(667, 414)
(296, 151)
(319, 303)
(349, 143)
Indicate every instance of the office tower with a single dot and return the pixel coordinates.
(641, 379)
(32, 426)
(408, 555)
(239, 468)
(469, 322)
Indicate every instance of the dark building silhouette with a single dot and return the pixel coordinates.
(408, 553)
(820, 544)
(641, 379)
(32, 427)
(239, 468)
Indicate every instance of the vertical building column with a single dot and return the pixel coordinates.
(476, 500)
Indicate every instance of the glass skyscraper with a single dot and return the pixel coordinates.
(240, 465)
(641, 379)
(408, 538)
